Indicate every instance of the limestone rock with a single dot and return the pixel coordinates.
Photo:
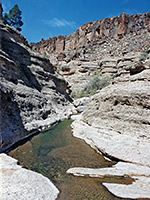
(78, 73)
(120, 114)
(33, 95)
(60, 45)
(19, 183)
(81, 104)
(61, 57)
(116, 123)
(116, 46)
(140, 187)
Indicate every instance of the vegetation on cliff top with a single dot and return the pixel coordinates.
(14, 18)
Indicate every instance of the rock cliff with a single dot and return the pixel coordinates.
(110, 45)
(33, 95)
(116, 122)
(94, 32)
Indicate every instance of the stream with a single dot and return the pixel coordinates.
(52, 152)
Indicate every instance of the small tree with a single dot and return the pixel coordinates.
(14, 17)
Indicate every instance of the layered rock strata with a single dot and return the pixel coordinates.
(111, 45)
(120, 112)
(79, 73)
(33, 95)
(117, 124)
(94, 32)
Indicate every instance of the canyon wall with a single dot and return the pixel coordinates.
(91, 33)
(33, 95)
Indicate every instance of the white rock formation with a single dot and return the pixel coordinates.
(117, 124)
(140, 188)
(17, 183)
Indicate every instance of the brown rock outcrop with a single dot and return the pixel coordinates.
(92, 32)
(123, 26)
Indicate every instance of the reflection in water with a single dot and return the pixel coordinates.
(54, 151)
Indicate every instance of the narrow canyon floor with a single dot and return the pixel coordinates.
(54, 151)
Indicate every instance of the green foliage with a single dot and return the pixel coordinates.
(75, 94)
(145, 55)
(45, 55)
(96, 82)
(148, 49)
(14, 18)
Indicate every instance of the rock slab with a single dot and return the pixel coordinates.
(19, 183)
(140, 187)
(117, 120)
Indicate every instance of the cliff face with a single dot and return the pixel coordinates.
(90, 33)
(32, 95)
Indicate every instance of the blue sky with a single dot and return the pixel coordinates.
(49, 18)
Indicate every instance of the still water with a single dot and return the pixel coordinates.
(54, 151)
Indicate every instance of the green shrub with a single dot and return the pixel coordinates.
(96, 82)
(75, 94)
(45, 55)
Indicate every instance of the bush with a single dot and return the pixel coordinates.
(96, 82)
(75, 94)
(45, 55)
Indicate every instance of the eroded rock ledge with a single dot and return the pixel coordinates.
(117, 124)
(33, 95)
(138, 189)
(19, 183)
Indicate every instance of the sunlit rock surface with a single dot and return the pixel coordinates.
(94, 32)
(33, 95)
(140, 187)
(116, 123)
(19, 183)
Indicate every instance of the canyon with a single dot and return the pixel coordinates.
(108, 45)
(37, 85)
